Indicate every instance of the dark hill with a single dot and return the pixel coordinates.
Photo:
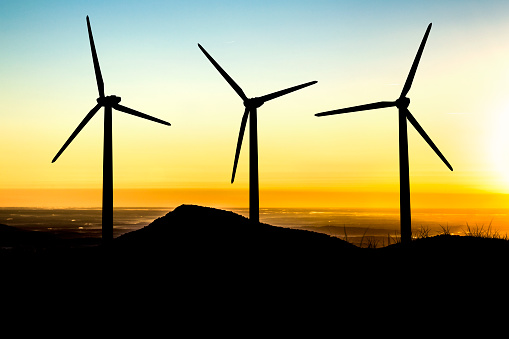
(205, 239)
(195, 236)
(202, 233)
(214, 228)
(450, 257)
(14, 238)
(203, 256)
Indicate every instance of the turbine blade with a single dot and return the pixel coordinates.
(77, 130)
(225, 75)
(97, 69)
(375, 105)
(139, 114)
(411, 75)
(277, 94)
(239, 142)
(423, 134)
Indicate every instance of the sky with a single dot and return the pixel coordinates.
(358, 51)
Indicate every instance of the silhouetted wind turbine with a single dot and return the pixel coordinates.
(402, 104)
(251, 105)
(108, 102)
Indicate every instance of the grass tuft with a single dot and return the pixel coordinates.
(362, 239)
(445, 230)
(426, 232)
(423, 232)
(481, 232)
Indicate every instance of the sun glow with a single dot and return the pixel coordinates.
(499, 149)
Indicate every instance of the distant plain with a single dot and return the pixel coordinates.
(358, 223)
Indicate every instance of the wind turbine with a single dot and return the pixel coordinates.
(404, 114)
(251, 105)
(108, 102)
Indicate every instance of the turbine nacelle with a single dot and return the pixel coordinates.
(253, 103)
(110, 100)
(402, 102)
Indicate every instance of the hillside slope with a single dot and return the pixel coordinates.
(195, 235)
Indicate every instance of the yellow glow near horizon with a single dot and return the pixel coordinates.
(499, 150)
(233, 198)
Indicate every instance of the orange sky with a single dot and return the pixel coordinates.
(169, 198)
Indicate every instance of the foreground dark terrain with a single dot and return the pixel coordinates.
(201, 240)
(198, 258)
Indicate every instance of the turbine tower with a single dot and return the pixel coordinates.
(251, 105)
(404, 114)
(108, 102)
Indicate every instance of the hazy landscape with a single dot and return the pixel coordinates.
(67, 229)
(377, 224)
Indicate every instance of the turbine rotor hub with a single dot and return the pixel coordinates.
(110, 100)
(253, 103)
(402, 102)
